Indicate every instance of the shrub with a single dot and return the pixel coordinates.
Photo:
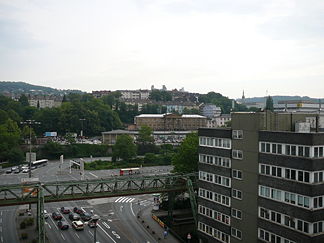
(24, 236)
(22, 225)
(29, 221)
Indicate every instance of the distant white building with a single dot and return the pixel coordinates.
(44, 101)
(210, 110)
(219, 121)
(135, 94)
(298, 106)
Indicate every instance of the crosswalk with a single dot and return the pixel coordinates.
(132, 200)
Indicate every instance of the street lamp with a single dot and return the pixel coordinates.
(95, 220)
(30, 123)
(82, 119)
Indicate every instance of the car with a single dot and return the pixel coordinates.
(33, 167)
(45, 214)
(25, 170)
(78, 225)
(14, 168)
(65, 210)
(74, 216)
(77, 210)
(8, 171)
(16, 171)
(63, 225)
(85, 216)
(56, 216)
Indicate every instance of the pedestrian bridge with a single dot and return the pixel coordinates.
(24, 193)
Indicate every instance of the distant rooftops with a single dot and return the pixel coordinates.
(169, 114)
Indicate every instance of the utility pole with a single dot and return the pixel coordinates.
(30, 123)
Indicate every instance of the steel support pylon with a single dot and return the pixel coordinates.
(40, 216)
(193, 200)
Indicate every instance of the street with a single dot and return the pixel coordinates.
(118, 222)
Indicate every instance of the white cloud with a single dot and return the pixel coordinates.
(200, 45)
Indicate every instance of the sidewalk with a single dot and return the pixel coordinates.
(146, 216)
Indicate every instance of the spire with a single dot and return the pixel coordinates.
(243, 97)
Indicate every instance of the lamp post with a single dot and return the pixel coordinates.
(95, 220)
(30, 123)
(82, 119)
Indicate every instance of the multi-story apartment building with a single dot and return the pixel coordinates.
(44, 101)
(135, 94)
(261, 181)
(170, 122)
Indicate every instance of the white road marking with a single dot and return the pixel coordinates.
(121, 208)
(1, 213)
(118, 199)
(62, 236)
(106, 225)
(82, 209)
(93, 174)
(129, 200)
(90, 233)
(77, 235)
(115, 234)
(132, 200)
(1, 238)
(48, 225)
(131, 206)
(54, 223)
(106, 233)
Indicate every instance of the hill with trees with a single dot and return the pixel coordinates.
(26, 88)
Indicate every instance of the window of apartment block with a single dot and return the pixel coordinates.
(237, 174)
(237, 134)
(237, 194)
(236, 233)
(236, 213)
(237, 154)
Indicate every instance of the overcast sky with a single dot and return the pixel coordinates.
(274, 46)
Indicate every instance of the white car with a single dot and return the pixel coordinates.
(45, 214)
(78, 225)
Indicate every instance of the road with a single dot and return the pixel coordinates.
(117, 224)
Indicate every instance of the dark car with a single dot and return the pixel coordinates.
(56, 216)
(74, 216)
(85, 216)
(77, 210)
(8, 171)
(65, 210)
(63, 225)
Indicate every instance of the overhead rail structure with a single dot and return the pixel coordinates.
(40, 193)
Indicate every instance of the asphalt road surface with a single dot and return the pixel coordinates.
(117, 224)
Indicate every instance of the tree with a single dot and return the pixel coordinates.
(269, 104)
(186, 158)
(124, 148)
(160, 95)
(145, 135)
(23, 100)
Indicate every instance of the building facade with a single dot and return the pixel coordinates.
(261, 181)
(210, 110)
(170, 122)
(297, 106)
(44, 101)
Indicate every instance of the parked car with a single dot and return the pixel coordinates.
(56, 216)
(63, 225)
(14, 168)
(8, 171)
(77, 210)
(74, 216)
(65, 210)
(85, 216)
(77, 225)
(16, 171)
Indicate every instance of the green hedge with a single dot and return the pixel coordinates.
(154, 160)
(54, 150)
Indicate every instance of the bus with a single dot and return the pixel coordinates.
(39, 163)
(129, 171)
